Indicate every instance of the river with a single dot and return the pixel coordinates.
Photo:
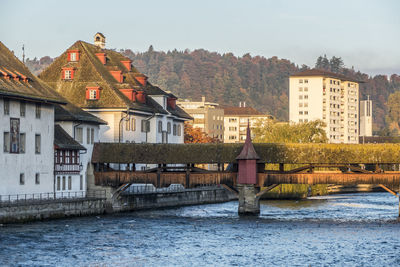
(340, 230)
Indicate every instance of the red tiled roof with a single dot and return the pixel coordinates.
(241, 111)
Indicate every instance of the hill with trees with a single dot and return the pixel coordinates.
(262, 83)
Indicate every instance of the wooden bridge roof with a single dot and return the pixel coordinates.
(226, 153)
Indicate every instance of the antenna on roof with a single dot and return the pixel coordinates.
(23, 53)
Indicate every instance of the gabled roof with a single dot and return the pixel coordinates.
(62, 140)
(70, 112)
(90, 71)
(324, 73)
(33, 89)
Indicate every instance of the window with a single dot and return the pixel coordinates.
(133, 124)
(306, 105)
(67, 74)
(300, 97)
(81, 182)
(38, 110)
(22, 108)
(79, 135)
(305, 81)
(37, 143)
(69, 183)
(92, 94)
(174, 130)
(22, 141)
(87, 135)
(37, 178)
(67, 157)
(301, 81)
(300, 105)
(73, 157)
(300, 89)
(22, 178)
(300, 112)
(305, 120)
(145, 126)
(160, 126)
(306, 97)
(169, 127)
(58, 183)
(232, 137)
(305, 89)
(6, 107)
(306, 112)
(232, 119)
(179, 130)
(73, 56)
(300, 120)
(92, 135)
(63, 183)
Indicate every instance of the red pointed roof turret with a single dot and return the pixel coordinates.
(248, 151)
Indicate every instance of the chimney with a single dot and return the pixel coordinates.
(244, 104)
(100, 40)
(240, 104)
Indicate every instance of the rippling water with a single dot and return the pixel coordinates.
(352, 229)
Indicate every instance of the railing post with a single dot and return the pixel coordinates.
(187, 181)
(159, 175)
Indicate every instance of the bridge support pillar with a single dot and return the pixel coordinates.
(249, 203)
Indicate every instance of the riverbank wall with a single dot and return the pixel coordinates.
(156, 200)
(35, 210)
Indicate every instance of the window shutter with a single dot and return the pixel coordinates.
(97, 93)
(69, 56)
(72, 74)
(63, 74)
(87, 93)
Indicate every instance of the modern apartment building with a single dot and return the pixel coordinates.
(236, 120)
(333, 98)
(366, 117)
(209, 117)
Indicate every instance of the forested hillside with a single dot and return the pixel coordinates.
(224, 78)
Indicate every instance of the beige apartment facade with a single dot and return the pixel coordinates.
(236, 120)
(366, 117)
(207, 116)
(330, 97)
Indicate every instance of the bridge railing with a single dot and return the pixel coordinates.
(37, 198)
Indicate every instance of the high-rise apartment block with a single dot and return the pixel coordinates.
(330, 97)
(366, 117)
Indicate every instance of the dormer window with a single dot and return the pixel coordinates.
(73, 55)
(68, 73)
(117, 74)
(92, 93)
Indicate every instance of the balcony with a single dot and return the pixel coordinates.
(67, 168)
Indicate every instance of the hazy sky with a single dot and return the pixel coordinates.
(365, 33)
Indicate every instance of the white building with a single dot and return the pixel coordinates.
(207, 116)
(330, 97)
(104, 83)
(236, 120)
(73, 156)
(366, 117)
(27, 129)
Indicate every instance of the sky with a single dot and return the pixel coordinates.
(365, 33)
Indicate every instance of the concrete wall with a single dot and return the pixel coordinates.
(28, 163)
(50, 210)
(130, 202)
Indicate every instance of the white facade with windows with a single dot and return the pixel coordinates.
(27, 155)
(366, 118)
(329, 98)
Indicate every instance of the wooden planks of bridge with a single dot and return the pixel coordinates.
(389, 178)
(164, 179)
(189, 180)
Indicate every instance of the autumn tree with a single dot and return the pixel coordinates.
(195, 135)
(280, 132)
